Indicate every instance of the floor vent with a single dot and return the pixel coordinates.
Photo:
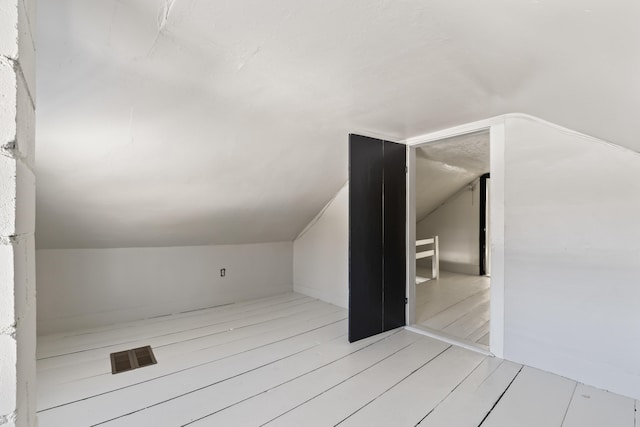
(127, 360)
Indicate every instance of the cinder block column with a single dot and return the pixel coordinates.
(17, 214)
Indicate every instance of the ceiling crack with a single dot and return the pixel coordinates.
(163, 19)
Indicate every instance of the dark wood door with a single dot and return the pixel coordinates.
(394, 239)
(377, 204)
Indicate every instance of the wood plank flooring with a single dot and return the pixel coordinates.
(286, 361)
(456, 305)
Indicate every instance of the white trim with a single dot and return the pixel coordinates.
(411, 236)
(377, 135)
(322, 295)
(472, 127)
(568, 131)
(496, 245)
(435, 261)
(495, 126)
(454, 131)
(418, 329)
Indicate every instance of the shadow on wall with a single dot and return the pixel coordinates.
(456, 222)
(321, 253)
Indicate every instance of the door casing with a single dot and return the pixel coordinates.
(496, 128)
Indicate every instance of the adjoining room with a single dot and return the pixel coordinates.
(453, 256)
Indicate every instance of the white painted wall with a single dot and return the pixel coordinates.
(321, 254)
(572, 255)
(456, 222)
(81, 288)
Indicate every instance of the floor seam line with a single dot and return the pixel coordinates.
(393, 385)
(566, 411)
(293, 379)
(501, 396)
(186, 369)
(157, 336)
(453, 305)
(134, 323)
(339, 383)
(456, 387)
(208, 385)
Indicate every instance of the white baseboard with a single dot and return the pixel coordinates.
(330, 297)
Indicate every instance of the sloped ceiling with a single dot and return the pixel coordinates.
(445, 167)
(175, 122)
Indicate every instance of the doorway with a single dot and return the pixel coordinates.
(452, 284)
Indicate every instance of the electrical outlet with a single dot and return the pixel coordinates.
(223, 272)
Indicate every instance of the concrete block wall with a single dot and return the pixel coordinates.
(17, 214)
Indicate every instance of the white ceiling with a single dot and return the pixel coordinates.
(174, 122)
(446, 166)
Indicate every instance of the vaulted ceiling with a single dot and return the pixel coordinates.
(178, 122)
(443, 168)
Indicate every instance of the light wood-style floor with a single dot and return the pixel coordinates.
(286, 361)
(456, 305)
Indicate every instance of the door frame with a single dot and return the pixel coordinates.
(496, 128)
